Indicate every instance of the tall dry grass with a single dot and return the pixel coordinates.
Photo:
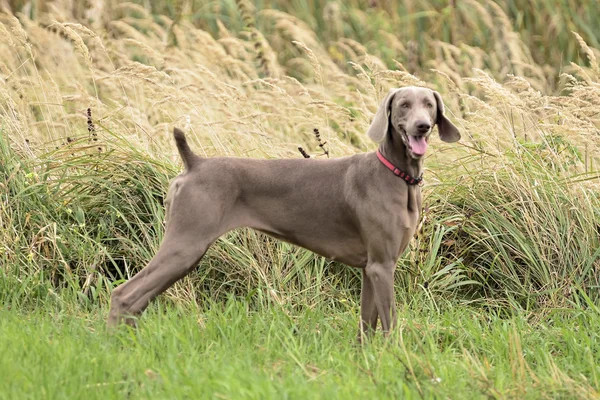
(511, 212)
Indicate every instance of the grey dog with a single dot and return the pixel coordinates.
(361, 210)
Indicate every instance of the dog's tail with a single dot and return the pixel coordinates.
(188, 157)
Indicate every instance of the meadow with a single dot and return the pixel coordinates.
(498, 293)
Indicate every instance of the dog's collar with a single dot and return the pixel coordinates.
(409, 179)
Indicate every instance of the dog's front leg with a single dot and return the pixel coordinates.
(381, 275)
(368, 309)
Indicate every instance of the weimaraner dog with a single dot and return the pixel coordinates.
(361, 210)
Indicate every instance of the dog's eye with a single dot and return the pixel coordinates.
(405, 105)
(429, 105)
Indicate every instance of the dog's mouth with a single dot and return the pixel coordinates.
(417, 145)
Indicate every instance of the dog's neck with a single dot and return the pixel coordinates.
(394, 149)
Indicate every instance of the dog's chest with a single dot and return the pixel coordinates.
(403, 228)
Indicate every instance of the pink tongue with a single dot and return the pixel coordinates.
(418, 145)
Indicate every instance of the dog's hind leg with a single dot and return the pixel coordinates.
(190, 232)
(172, 262)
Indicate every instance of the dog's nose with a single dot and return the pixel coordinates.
(423, 127)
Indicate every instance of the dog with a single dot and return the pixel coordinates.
(361, 210)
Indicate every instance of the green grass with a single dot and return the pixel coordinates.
(226, 350)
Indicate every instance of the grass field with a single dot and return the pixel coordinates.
(226, 350)
(499, 292)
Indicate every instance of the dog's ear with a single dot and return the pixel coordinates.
(448, 132)
(380, 125)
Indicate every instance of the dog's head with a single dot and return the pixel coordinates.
(411, 112)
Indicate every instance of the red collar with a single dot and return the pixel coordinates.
(409, 179)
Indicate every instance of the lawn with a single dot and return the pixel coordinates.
(228, 351)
